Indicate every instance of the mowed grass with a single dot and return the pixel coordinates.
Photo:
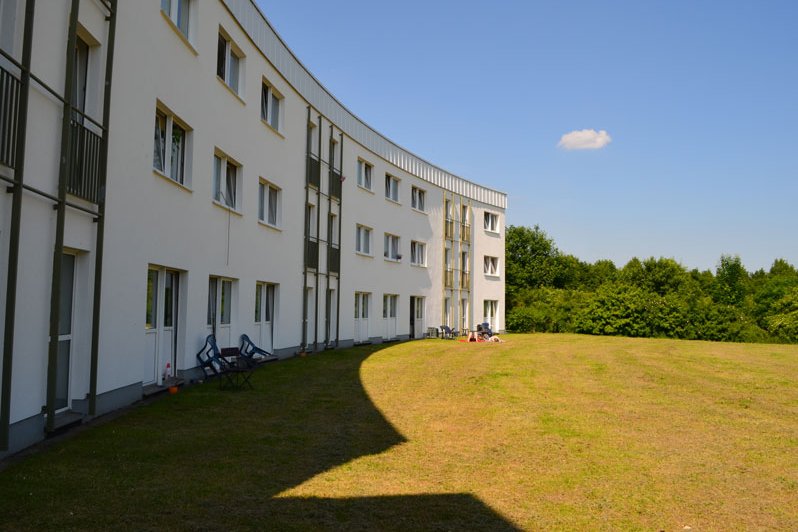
(543, 431)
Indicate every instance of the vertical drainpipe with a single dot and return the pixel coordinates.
(98, 260)
(340, 247)
(318, 246)
(58, 250)
(16, 224)
(309, 143)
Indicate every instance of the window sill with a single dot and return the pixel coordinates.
(270, 127)
(270, 226)
(226, 208)
(492, 233)
(418, 265)
(419, 211)
(366, 255)
(493, 276)
(364, 189)
(231, 91)
(179, 33)
(395, 261)
(391, 200)
(181, 186)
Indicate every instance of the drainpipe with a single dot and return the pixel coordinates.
(58, 250)
(305, 238)
(340, 245)
(14, 230)
(98, 260)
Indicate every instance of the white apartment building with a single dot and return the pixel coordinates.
(171, 171)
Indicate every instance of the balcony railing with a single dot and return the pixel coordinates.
(448, 278)
(314, 174)
(312, 255)
(9, 115)
(335, 184)
(448, 229)
(85, 174)
(333, 259)
(465, 280)
(465, 232)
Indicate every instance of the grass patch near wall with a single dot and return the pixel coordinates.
(555, 431)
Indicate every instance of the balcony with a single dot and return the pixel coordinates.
(314, 172)
(335, 184)
(465, 281)
(448, 229)
(333, 259)
(448, 278)
(465, 232)
(311, 253)
(9, 114)
(85, 175)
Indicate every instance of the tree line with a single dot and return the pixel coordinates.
(550, 291)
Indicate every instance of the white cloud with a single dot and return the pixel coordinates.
(584, 139)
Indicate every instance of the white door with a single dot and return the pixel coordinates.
(331, 316)
(389, 312)
(310, 328)
(220, 307)
(167, 343)
(419, 322)
(64, 360)
(491, 307)
(150, 362)
(264, 315)
(361, 317)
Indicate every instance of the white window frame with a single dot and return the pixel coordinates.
(392, 188)
(221, 161)
(363, 243)
(491, 222)
(418, 199)
(175, 11)
(390, 306)
(269, 99)
(392, 248)
(164, 150)
(491, 266)
(233, 63)
(270, 212)
(418, 253)
(490, 312)
(365, 172)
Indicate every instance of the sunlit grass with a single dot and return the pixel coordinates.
(556, 431)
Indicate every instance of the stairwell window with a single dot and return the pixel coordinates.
(269, 204)
(270, 106)
(364, 170)
(363, 240)
(391, 247)
(418, 199)
(226, 181)
(491, 265)
(171, 147)
(418, 253)
(491, 222)
(391, 188)
(229, 60)
(179, 12)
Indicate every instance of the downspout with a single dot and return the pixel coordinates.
(58, 250)
(98, 262)
(16, 224)
(340, 244)
(305, 239)
(318, 250)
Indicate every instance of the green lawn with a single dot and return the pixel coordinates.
(543, 431)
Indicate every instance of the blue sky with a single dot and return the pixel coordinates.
(699, 98)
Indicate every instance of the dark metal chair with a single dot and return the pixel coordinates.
(448, 332)
(484, 330)
(255, 354)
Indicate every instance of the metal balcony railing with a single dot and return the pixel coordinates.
(465, 232)
(85, 174)
(9, 115)
(465, 280)
(333, 259)
(448, 278)
(312, 255)
(314, 175)
(335, 184)
(448, 229)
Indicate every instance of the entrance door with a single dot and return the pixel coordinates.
(389, 312)
(330, 317)
(361, 332)
(264, 315)
(160, 326)
(417, 317)
(64, 362)
(412, 316)
(220, 307)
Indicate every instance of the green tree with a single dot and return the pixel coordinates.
(529, 260)
(730, 280)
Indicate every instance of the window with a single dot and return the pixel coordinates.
(228, 62)
(178, 12)
(80, 79)
(490, 308)
(269, 204)
(418, 253)
(220, 300)
(8, 22)
(391, 249)
(150, 321)
(310, 220)
(364, 174)
(491, 222)
(417, 197)
(264, 302)
(491, 265)
(390, 303)
(332, 229)
(226, 176)
(270, 105)
(170, 147)
(391, 188)
(464, 314)
(464, 214)
(363, 240)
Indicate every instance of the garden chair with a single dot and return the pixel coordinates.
(255, 354)
(448, 332)
(210, 359)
